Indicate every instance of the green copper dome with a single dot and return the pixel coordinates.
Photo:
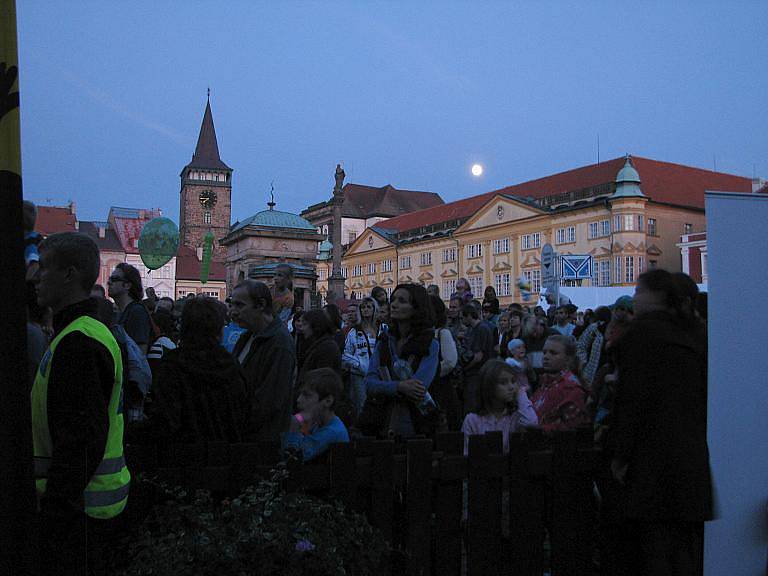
(627, 181)
(325, 251)
(275, 219)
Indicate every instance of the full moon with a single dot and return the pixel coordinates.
(477, 170)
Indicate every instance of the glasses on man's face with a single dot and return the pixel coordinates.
(112, 279)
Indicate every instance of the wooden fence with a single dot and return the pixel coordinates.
(414, 492)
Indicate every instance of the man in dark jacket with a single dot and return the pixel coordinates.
(658, 439)
(268, 357)
(82, 425)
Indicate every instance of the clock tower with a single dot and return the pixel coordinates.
(206, 192)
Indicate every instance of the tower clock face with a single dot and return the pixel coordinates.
(207, 199)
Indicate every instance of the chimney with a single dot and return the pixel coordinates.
(71, 207)
(77, 224)
(757, 184)
(200, 253)
(102, 231)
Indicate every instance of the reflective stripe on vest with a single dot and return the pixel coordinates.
(106, 494)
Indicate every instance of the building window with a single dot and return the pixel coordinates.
(371, 268)
(605, 227)
(565, 235)
(476, 285)
(357, 270)
(652, 226)
(344, 272)
(325, 230)
(389, 293)
(206, 217)
(687, 228)
(474, 251)
(629, 222)
(501, 246)
(534, 279)
(351, 236)
(617, 271)
(605, 272)
(449, 255)
(425, 258)
(211, 293)
(640, 223)
(449, 287)
(617, 223)
(529, 241)
(640, 265)
(703, 266)
(321, 274)
(502, 284)
(594, 230)
(386, 265)
(405, 262)
(629, 269)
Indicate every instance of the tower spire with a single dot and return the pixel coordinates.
(207, 150)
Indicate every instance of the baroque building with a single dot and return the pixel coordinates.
(627, 213)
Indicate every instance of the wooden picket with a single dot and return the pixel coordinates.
(414, 493)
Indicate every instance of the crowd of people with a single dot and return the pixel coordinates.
(118, 365)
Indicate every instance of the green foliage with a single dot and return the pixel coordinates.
(263, 531)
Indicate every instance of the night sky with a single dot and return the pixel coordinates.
(403, 93)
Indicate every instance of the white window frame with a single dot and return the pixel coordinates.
(594, 230)
(640, 223)
(476, 286)
(629, 269)
(502, 284)
(474, 251)
(525, 242)
(536, 239)
(371, 268)
(449, 255)
(560, 236)
(405, 262)
(617, 220)
(357, 270)
(652, 230)
(570, 234)
(605, 227)
(501, 246)
(629, 222)
(386, 265)
(605, 272)
(425, 258)
(449, 287)
(618, 279)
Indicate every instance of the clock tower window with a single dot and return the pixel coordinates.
(206, 217)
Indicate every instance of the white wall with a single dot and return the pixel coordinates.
(737, 542)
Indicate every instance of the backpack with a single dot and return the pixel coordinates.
(137, 376)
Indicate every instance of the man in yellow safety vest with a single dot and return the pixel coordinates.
(77, 423)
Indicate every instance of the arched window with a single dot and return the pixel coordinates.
(206, 217)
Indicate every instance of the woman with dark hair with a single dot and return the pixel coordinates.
(659, 440)
(321, 350)
(380, 295)
(199, 393)
(333, 313)
(404, 365)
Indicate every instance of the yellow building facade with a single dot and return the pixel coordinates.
(624, 230)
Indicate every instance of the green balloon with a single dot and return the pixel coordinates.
(158, 242)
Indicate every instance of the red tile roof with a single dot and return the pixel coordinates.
(188, 266)
(53, 219)
(128, 224)
(362, 201)
(660, 181)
